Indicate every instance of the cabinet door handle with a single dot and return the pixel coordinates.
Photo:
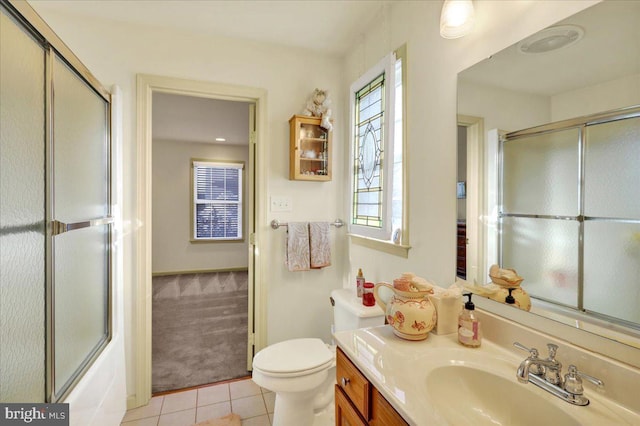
(345, 381)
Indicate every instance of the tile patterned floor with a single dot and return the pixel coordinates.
(252, 403)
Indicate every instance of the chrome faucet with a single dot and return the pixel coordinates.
(547, 375)
(549, 368)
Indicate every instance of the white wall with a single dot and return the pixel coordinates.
(298, 302)
(461, 176)
(605, 96)
(172, 248)
(510, 111)
(503, 109)
(433, 64)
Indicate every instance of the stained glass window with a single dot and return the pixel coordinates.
(378, 207)
(369, 146)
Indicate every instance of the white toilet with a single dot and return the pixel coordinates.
(301, 372)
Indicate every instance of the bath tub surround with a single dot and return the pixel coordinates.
(438, 382)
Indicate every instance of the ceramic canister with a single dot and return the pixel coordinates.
(410, 314)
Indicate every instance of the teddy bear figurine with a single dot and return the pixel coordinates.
(318, 106)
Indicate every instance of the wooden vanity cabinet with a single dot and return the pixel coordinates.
(358, 402)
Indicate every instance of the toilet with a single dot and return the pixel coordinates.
(301, 372)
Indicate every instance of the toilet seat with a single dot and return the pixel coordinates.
(296, 357)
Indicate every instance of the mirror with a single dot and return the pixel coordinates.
(524, 86)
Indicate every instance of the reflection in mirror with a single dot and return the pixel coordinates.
(558, 202)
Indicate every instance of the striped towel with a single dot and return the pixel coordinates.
(320, 244)
(297, 255)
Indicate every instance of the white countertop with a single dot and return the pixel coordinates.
(398, 369)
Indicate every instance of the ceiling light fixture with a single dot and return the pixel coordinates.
(220, 139)
(457, 18)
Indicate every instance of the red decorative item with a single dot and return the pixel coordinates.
(367, 295)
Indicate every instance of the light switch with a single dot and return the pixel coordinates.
(281, 204)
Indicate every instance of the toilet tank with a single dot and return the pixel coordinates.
(349, 313)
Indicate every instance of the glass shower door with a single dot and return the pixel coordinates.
(540, 206)
(22, 215)
(612, 219)
(80, 212)
(570, 219)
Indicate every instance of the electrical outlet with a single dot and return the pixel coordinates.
(281, 204)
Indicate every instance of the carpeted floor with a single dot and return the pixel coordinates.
(199, 329)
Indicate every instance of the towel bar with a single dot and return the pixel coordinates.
(275, 224)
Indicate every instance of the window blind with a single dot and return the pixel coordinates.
(217, 201)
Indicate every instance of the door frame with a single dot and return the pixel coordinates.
(146, 86)
(475, 197)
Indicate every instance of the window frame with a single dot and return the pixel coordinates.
(381, 239)
(193, 200)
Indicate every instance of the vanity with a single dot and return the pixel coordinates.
(357, 400)
(385, 380)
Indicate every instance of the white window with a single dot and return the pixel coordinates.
(217, 201)
(377, 194)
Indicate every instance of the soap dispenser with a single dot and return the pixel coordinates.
(359, 283)
(469, 332)
(510, 300)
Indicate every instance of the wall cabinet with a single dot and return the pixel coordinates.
(358, 402)
(310, 149)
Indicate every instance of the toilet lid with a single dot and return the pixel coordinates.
(292, 356)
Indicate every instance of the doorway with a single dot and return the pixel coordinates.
(200, 151)
(470, 194)
(148, 87)
(461, 205)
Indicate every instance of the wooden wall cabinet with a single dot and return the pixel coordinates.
(358, 402)
(309, 150)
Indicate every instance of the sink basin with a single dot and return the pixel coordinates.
(465, 395)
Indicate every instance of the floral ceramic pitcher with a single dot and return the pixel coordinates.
(410, 313)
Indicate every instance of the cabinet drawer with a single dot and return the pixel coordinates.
(383, 413)
(353, 383)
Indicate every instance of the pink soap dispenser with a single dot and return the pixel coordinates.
(469, 331)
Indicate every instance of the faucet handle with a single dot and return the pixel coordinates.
(536, 369)
(532, 351)
(573, 381)
(552, 351)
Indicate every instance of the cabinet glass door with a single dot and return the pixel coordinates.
(314, 150)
